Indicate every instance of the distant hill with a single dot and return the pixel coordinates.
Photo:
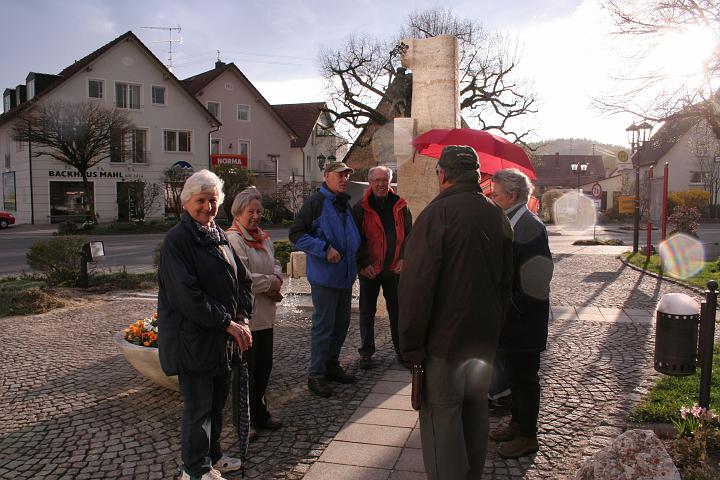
(580, 146)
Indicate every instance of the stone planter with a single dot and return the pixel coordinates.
(146, 361)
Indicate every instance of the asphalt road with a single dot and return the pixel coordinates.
(132, 252)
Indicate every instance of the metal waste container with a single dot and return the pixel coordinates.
(676, 340)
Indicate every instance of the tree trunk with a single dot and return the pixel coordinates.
(89, 196)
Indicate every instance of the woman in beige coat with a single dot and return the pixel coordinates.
(255, 249)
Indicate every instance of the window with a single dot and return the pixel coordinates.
(177, 141)
(127, 96)
(68, 201)
(215, 146)
(96, 89)
(7, 161)
(214, 108)
(158, 95)
(697, 177)
(31, 89)
(130, 145)
(243, 113)
(244, 148)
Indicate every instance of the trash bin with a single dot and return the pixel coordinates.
(676, 335)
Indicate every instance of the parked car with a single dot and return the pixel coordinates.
(6, 219)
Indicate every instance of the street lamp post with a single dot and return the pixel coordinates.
(578, 168)
(637, 136)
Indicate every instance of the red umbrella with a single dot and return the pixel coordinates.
(495, 153)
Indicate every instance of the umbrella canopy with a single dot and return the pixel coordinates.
(495, 153)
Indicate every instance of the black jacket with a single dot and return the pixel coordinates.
(526, 323)
(200, 292)
(456, 278)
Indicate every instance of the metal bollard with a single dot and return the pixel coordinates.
(707, 341)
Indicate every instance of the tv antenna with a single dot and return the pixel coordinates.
(170, 42)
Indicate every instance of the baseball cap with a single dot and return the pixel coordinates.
(337, 167)
(458, 157)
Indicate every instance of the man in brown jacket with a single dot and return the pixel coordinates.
(454, 289)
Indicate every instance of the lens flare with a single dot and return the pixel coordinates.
(574, 212)
(682, 256)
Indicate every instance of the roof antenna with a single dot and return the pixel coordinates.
(218, 51)
(170, 42)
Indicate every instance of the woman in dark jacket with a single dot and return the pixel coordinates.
(204, 301)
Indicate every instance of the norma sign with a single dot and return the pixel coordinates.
(228, 159)
(622, 155)
(596, 190)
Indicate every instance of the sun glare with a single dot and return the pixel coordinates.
(683, 54)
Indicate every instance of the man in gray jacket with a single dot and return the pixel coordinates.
(454, 290)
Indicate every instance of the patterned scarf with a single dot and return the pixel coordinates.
(258, 236)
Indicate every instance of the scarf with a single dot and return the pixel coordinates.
(258, 237)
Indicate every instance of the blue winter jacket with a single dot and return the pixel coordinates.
(325, 220)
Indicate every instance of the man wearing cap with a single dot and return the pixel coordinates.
(384, 221)
(454, 290)
(325, 230)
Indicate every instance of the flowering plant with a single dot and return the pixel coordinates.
(143, 332)
(693, 419)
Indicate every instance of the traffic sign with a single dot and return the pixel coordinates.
(622, 155)
(596, 190)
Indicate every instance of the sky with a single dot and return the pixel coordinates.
(567, 47)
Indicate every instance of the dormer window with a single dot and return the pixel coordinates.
(30, 89)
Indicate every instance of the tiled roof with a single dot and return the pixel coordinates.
(555, 171)
(197, 82)
(81, 64)
(302, 118)
(664, 139)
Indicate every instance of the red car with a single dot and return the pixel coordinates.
(6, 219)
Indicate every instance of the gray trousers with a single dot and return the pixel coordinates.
(454, 418)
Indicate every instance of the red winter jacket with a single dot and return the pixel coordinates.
(373, 233)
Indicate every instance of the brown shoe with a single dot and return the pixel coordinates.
(335, 373)
(518, 447)
(319, 387)
(506, 433)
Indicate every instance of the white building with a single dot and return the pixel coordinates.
(170, 126)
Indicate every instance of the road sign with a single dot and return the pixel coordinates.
(598, 203)
(626, 204)
(596, 190)
(622, 155)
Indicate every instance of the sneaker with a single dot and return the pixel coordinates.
(506, 433)
(335, 373)
(227, 464)
(366, 362)
(519, 447)
(319, 387)
(211, 475)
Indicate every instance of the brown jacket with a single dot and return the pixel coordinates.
(456, 279)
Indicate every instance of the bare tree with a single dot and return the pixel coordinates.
(146, 197)
(174, 178)
(367, 85)
(293, 194)
(80, 135)
(651, 93)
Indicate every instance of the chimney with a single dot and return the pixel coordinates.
(219, 64)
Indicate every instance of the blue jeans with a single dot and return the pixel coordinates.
(330, 322)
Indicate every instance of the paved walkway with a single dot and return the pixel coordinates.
(72, 407)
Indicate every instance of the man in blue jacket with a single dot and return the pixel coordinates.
(325, 230)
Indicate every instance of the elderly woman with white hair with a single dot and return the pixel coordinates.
(255, 249)
(524, 333)
(204, 301)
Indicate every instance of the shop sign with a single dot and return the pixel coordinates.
(76, 174)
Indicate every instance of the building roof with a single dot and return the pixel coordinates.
(197, 82)
(86, 61)
(302, 118)
(555, 171)
(663, 140)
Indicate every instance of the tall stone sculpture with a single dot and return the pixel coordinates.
(435, 104)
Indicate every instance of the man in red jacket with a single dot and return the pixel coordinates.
(384, 221)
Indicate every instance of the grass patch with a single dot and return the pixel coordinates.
(27, 301)
(664, 400)
(611, 241)
(105, 282)
(711, 270)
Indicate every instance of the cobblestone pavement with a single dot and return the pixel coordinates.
(72, 407)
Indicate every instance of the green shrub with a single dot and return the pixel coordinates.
(689, 198)
(58, 259)
(282, 252)
(275, 210)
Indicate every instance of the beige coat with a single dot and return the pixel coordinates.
(262, 267)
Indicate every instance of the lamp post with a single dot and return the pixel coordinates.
(637, 136)
(579, 168)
